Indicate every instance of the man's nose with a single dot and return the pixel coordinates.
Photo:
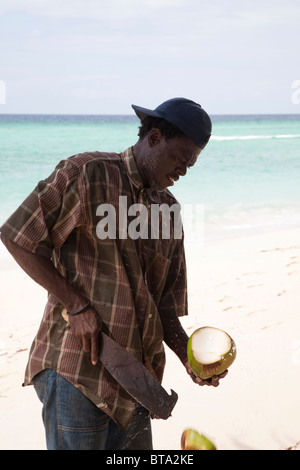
(181, 170)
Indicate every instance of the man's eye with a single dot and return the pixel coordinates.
(184, 163)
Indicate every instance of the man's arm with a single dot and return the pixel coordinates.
(85, 326)
(176, 338)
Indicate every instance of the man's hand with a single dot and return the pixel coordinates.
(177, 339)
(86, 327)
(214, 381)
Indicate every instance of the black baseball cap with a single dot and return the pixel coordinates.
(187, 115)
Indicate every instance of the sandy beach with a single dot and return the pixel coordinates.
(248, 287)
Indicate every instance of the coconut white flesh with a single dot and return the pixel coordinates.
(209, 345)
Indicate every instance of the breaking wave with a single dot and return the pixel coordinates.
(255, 137)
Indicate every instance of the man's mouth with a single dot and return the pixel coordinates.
(172, 179)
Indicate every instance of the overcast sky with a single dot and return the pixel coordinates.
(100, 56)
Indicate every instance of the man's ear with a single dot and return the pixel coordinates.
(154, 137)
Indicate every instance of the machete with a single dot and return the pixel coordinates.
(133, 376)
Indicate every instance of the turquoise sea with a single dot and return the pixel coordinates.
(247, 179)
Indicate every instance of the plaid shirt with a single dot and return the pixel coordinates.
(130, 283)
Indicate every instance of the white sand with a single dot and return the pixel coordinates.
(250, 288)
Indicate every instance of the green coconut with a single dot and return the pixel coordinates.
(210, 352)
(192, 440)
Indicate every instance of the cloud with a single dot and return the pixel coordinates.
(132, 49)
(93, 9)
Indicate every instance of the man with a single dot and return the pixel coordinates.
(134, 288)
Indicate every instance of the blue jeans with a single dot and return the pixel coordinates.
(73, 422)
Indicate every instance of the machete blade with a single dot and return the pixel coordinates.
(133, 376)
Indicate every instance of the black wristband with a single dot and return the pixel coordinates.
(79, 311)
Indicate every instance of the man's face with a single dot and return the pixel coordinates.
(165, 161)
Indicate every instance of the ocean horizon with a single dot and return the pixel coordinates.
(247, 179)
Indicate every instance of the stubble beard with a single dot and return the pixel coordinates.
(149, 170)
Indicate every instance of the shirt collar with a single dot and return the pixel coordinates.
(135, 177)
(131, 168)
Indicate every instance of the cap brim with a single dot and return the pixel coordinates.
(142, 112)
(203, 121)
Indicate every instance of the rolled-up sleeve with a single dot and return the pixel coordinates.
(49, 214)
